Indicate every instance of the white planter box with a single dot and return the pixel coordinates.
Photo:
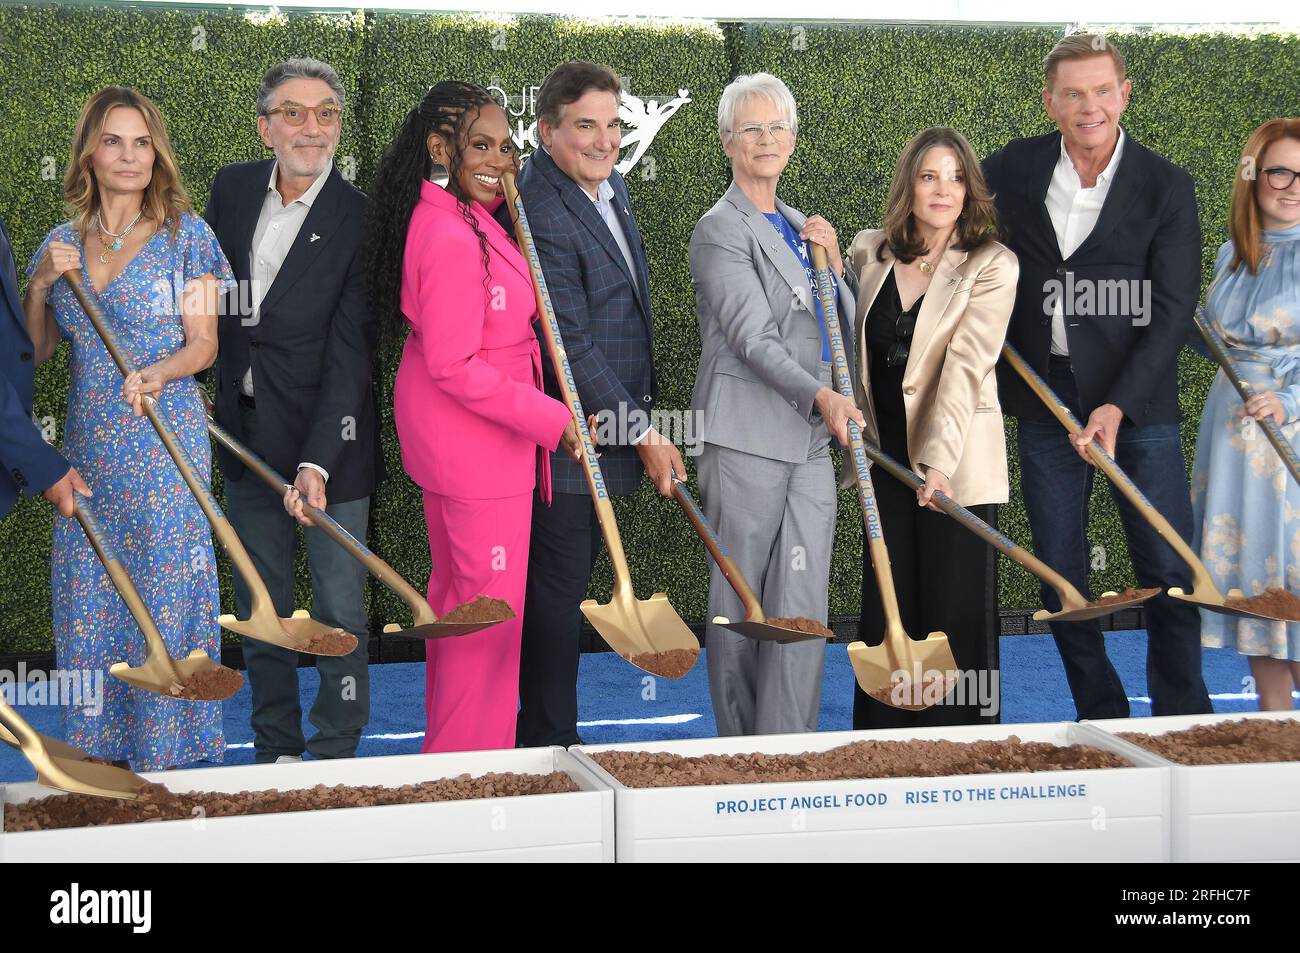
(1113, 814)
(1225, 812)
(576, 826)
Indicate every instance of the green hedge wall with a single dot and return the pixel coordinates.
(862, 92)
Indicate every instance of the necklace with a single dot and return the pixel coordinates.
(105, 256)
(925, 266)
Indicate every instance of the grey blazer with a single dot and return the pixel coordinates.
(761, 342)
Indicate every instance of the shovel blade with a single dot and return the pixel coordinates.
(1216, 603)
(633, 627)
(437, 630)
(87, 777)
(903, 673)
(293, 633)
(765, 632)
(155, 675)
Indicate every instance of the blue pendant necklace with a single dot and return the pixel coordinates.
(112, 241)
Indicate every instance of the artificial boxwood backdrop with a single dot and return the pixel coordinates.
(862, 92)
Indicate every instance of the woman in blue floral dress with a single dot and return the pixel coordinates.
(1246, 506)
(157, 269)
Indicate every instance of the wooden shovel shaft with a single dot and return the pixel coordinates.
(358, 550)
(732, 573)
(230, 540)
(1200, 575)
(123, 584)
(1271, 430)
(569, 392)
(1070, 596)
(875, 536)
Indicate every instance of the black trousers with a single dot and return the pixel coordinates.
(946, 581)
(562, 551)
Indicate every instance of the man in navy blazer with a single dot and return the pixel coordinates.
(1109, 245)
(595, 267)
(294, 384)
(30, 465)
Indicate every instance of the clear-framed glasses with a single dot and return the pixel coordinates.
(295, 114)
(1281, 178)
(781, 131)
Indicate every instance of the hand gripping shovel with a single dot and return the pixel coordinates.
(296, 633)
(1271, 430)
(755, 624)
(425, 624)
(900, 672)
(160, 673)
(640, 630)
(1204, 592)
(60, 765)
(1074, 607)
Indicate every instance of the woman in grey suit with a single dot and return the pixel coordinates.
(767, 407)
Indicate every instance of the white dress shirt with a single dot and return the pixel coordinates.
(277, 229)
(1074, 211)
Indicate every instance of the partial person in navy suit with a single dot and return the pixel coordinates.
(30, 464)
(595, 267)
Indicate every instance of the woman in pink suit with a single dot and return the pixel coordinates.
(472, 420)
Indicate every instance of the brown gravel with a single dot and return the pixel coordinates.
(482, 609)
(156, 803)
(1125, 596)
(1273, 602)
(1246, 741)
(861, 759)
(671, 664)
(210, 685)
(800, 624)
(334, 642)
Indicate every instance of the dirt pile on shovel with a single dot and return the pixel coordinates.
(334, 642)
(800, 624)
(671, 664)
(211, 684)
(1274, 602)
(481, 609)
(1124, 596)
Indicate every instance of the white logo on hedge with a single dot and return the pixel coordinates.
(645, 116)
(103, 906)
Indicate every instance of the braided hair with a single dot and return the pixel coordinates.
(444, 110)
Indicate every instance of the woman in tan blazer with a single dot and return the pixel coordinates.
(934, 298)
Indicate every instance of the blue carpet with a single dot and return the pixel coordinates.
(619, 703)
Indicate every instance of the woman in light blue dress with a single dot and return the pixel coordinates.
(156, 268)
(1246, 505)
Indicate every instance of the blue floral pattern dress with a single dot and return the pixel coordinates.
(141, 504)
(1246, 506)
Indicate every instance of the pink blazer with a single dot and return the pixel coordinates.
(471, 417)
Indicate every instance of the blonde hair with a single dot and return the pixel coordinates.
(165, 198)
(1081, 46)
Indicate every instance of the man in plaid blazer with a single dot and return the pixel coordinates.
(595, 267)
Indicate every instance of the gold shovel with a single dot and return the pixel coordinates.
(160, 673)
(425, 625)
(900, 672)
(296, 633)
(1074, 607)
(755, 624)
(1204, 592)
(1271, 430)
(634, 628)
(60, 765)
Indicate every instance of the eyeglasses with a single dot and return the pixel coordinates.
(1281, 178)
(295, 114)
(904, 327)
(751, 132)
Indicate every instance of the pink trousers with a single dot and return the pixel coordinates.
(471, 685)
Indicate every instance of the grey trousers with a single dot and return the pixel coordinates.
(342, 705)
(777, 520)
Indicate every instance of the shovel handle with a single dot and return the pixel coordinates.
(17, 732)
(1069, 595)
(732, 573)
(1271, 430)
(568, 390)
(875, 534)
(122, 583)
(1200, 575)
(357, 549)
(230, 541)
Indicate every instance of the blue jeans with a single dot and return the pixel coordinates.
(1057, 484)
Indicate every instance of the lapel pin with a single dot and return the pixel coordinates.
(314, 237)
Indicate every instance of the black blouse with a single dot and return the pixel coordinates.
(889, 332)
